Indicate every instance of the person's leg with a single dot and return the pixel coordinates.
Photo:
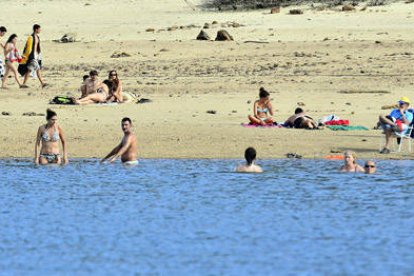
(43, 161)
(388, 137)
(269, 121)
(92, 98)
(254, 120)
(16, 74)
(385, 120)
(26, 77)
(39, 76)
(6, 75)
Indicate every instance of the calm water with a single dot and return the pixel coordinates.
(194, 217)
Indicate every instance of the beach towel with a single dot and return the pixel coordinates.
(128, 97)
(347, 128)
(337, 123)
(247, 125)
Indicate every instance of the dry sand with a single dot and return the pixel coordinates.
(310, 58)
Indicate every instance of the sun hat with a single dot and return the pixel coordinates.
(405, 100)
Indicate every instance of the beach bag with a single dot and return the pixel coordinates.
(62, 100)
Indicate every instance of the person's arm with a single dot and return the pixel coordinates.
(122, 150)
(270, 107)
(7, 49)
(37, 145)
(255, 109)
(65, 152)
(118, 93)
(112, 153)
(403, 117)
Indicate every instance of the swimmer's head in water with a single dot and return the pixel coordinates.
(51, 116)
(370, 167)
(263, 93)
(350, 157)
(250, 155)
(298, 110)
(126, 124)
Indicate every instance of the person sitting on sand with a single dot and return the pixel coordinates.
(370, 167)
(397, 122)
(128, 147)
(11, 56)
(50, 134)
(100, 96)
(301, 120)
(350, 164)
(91, 84)
(262, 108)
(116, 91)
(250, 166)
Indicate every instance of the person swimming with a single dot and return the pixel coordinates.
(250, 166)
(370, 167)
(49, 135)
(350, 164)
(128, 147)
(262, 108)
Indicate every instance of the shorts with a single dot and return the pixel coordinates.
(33, 65)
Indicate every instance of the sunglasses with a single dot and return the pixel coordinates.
(369, 166)
(113, 75)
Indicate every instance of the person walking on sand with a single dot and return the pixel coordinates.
(49, 135)
(3, 32)
(11, 56)
(128, 147)
(250, 166)
(32, 58)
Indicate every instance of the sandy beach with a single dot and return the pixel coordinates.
(344, 63)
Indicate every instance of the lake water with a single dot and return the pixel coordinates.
(196, 217)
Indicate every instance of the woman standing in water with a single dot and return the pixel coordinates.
(350, 164)
(50, 134)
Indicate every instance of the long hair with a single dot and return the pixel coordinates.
(115, 82)
(13, 36)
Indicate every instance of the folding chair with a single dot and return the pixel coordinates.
(406, 135)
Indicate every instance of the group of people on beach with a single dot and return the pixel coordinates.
(263, 114)
(95, 91)
(29, 63)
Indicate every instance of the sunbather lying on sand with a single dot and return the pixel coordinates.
(301, 120)
(262, 108)
(100, 96)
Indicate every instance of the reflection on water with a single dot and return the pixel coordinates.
(197, 217)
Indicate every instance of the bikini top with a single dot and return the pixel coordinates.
(55, 136)
(264, 110)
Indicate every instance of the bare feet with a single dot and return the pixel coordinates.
(23, 86)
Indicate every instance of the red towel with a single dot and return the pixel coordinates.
(338, 123)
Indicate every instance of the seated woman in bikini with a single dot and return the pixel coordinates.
(116, 89)
(261, 109)
(50, 134)
(301, 120)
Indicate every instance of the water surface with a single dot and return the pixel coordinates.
(196, 217)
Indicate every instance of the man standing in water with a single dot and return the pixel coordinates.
(32, 60)
(127, 149)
